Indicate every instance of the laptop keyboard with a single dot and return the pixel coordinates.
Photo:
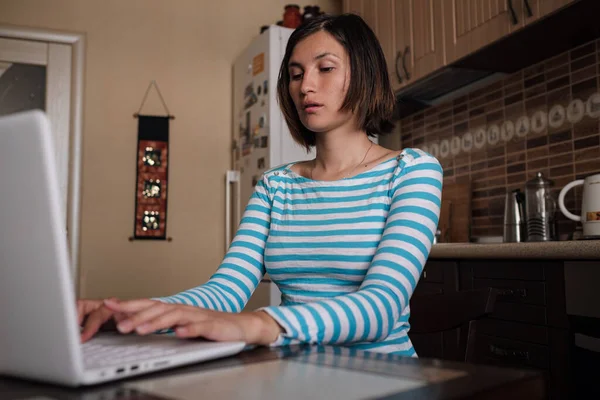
(102, 355)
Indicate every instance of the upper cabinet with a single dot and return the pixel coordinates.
(420, 36)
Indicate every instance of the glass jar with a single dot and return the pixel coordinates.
(541, 209)
(291, 16)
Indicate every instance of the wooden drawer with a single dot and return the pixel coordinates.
(426, 288)
(514, 291)
(434, 271)
(501, 351)
(507, 269)
(513, 331)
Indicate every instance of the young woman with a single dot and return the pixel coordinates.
(344, 236)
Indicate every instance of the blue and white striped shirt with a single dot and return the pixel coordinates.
(346, 254)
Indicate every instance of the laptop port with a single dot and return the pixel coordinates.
(134, 367)
(120, 370)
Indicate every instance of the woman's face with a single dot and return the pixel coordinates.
(319, 70)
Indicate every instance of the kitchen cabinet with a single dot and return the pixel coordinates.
(543, 308)
(379, 16)
(472, 24)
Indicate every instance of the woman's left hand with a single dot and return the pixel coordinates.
(148, 316)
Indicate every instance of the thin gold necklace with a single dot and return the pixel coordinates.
(353, 169)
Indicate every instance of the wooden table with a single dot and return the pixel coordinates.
(304, 372)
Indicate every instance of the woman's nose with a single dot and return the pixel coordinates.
(308, 83)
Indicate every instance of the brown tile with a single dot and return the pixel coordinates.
(537, 142)
(557, 72)
(476, 167)
(533, 70)
(588, 167)
(513, 99)
(537, 153)
(515, 178)
(479, 194)
(516, 77)
(559, 96)
(583, 50)
(515, 146)
(561, 148)
(477, 122)
(592, 141)
(584, 74)
(561, 171)
(462, 159)
(560, 136)
(445, 123)
(461, 128)
(511, 169)
(446, 114)
(460, 100)
(480, 203)
(463, 179)
(462, 170)
(562, 159)
(476, 111)
(586, 127)
(512, 158)
(495, 105)
(496, 206)
(583, 62)
(584, 88)
(460, 108)
(513, 89)
(536, 103)
(419, 141)
(460, 117)
(557, 61)
(533, 81)
(479, 212)
(558, 82)
(591, 153)
(495, 152)
(501, 191)
(535, 91)
(493, 96)
(496, 116)
(537, 164)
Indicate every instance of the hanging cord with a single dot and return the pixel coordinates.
(153, 82)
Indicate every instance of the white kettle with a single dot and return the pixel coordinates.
(590, 206)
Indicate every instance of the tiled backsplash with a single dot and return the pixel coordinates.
(542, 118)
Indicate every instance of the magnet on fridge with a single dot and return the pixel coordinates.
(266, 86)
(264, 142)
(261, 120)
(262, 103)
(258, 90)
(254, 180)
(261, 163)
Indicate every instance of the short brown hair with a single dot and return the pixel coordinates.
(370, 92)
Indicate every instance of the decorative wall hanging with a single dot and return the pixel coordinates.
(152, 174)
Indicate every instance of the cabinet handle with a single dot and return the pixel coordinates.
(513, 14)
(511, 292)
(406, 51)
(398, 74)
(528, 8)
(521, 355)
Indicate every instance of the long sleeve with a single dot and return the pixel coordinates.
(242, 269)
(369, 314)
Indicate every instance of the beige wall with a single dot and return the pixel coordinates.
(188, 47)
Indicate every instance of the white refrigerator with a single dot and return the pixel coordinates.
(261, 139)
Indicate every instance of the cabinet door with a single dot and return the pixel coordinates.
(473, 24)
(353, 6)
(545, 7)
(427, 51)
(402, 68)
(385, 33)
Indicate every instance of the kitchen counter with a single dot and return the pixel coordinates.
(559, 250)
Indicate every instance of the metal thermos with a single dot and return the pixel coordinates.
(514, 217)
(541, 209)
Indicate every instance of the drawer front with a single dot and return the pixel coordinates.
(512, 291)
(509, 269)
(425, 288)
(513, 331)
(433, 272)
(520, 313)
(501, 351)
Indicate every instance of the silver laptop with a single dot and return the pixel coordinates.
(39, 334)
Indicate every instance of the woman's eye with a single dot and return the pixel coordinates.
(296, 77)
(326, 69)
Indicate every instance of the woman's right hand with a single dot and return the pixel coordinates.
(95, 314)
